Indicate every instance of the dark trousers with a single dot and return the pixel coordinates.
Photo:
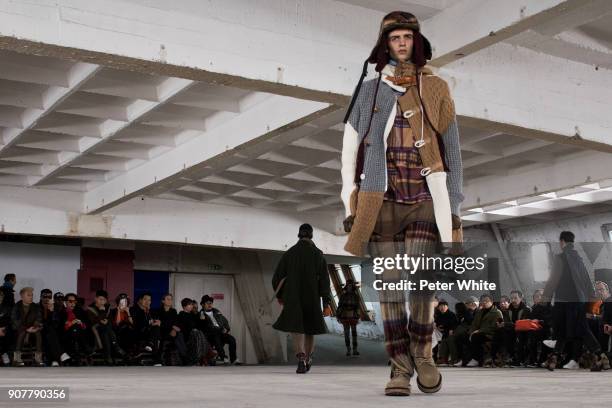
(32, 338)
(535, 343)
(571, 325)
(105, 339)
(126, 337)
(477, 343)
(350, 330)
(219, 339)
(76, 343)
(51, 344)
(151, 336)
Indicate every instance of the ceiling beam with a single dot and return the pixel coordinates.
(250, 125)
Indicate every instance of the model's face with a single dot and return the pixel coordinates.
(602, 292)
(515, 299)
(399, 43)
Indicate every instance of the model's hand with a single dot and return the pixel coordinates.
(348, 223)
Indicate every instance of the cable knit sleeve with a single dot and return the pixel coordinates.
(452, 154)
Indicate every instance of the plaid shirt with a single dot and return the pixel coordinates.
(405, 183)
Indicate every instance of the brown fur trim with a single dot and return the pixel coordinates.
(368, 206)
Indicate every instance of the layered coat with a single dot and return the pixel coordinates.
(364, 172)
(301, 280)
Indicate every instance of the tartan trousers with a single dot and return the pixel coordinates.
(406, 338)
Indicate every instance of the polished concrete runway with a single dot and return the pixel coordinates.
(325, 386)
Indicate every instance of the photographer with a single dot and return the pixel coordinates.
(27, 322)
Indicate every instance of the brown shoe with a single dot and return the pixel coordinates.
(399, 384)
(429, 379)
(605, 361)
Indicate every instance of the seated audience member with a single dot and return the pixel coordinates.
(147, 326)
(52, 329)
(216, 328)
(483, 328)
(518, 311)
(101, 325)
(198, 350)
(26, 318)
(7, 290)
(123, 324)
(169, 329)
(459, 339)
(602, 290)
(446, 322)
(75, 336)
(542, 312)
(5, 331)
(501, 345)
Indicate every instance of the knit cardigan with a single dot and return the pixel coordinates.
(372, 125)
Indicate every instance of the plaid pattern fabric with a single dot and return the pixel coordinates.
(405, 183)
(406, 338)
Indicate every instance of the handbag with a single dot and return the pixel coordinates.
(524, 325)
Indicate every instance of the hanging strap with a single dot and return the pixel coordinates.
(364, 73)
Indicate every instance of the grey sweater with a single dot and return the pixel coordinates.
(374, 177)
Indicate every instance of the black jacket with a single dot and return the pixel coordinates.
(207, 325)
(96, 315)
(22, 321)
(9, 296)
(142, 320)
(543, 312)
(522, 311)
(446, 322)
(606, 313)
(186, 322)
(168, 319)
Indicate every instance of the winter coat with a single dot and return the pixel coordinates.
(486, 321)
(569, 261)
(446, 322)
(33, 317)
(305, 280)
(207, 325)
(365, 144)
(9, 295)
(519, 313)
(348, 307)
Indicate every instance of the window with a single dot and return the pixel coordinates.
(607, 232)
(540, 262)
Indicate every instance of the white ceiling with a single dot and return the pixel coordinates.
(75, 126)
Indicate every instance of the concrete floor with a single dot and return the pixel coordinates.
(324, 386)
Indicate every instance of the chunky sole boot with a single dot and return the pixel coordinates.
(429, 379)
(301, 368)
(399, 384)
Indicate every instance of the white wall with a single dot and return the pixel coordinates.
(41, 266)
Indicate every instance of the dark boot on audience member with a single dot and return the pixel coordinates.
(301, 368)
(551, 362)
(17, 362)
(38, 359)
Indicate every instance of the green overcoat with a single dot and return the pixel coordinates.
(306, 281)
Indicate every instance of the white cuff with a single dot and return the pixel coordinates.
(350, 146)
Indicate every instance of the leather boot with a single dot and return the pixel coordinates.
(551, 362)
(399, 384)
(429, 379)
